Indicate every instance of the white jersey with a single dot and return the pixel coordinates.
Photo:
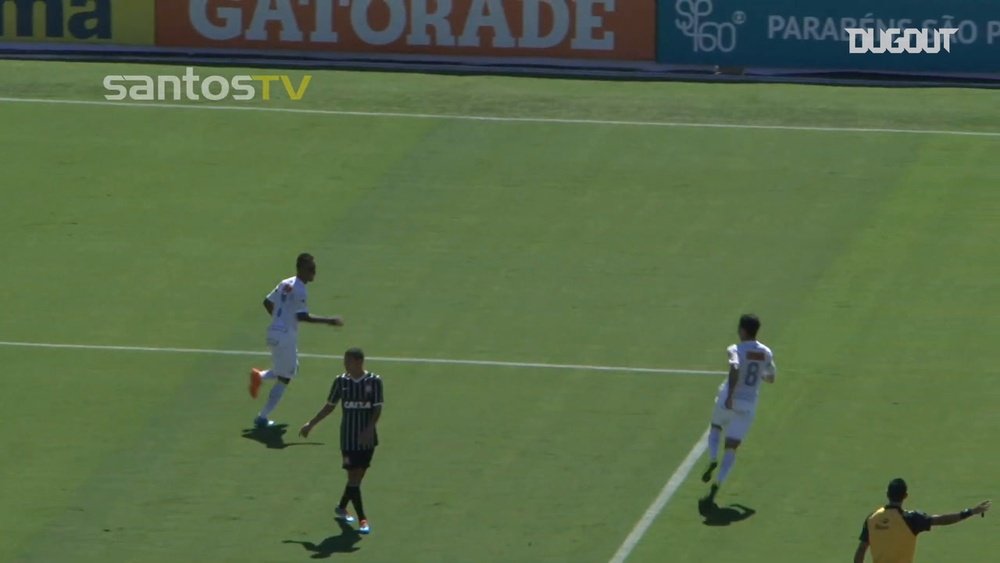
(289, 300)
(753, 361)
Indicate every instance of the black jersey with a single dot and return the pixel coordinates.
(359, 398)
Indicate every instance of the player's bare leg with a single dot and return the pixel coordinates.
(714, 433)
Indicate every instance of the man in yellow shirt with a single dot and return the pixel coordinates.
(891, 532)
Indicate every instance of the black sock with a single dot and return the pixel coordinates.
(358, 506)
(346, 498)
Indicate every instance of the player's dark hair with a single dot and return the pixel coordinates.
(750, 324)
(896, 491)
(304, 260)
(354, 354)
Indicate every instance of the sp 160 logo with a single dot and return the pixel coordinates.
(707, 36)
(896, 41)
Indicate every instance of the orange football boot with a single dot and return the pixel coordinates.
(255, 379)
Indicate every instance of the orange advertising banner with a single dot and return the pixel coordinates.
(580, 29)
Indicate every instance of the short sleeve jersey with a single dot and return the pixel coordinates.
(359, 399)
(289, 299)
(753, 361)
(892, 532)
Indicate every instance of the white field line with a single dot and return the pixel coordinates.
(503, 119)
(661, 501)
(404, 360)
(641, 526)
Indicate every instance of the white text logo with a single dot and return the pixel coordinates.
(357, 404)
(896, 41)
(192, 87)
(707, 36)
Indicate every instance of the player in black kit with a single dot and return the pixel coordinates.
(360, 391)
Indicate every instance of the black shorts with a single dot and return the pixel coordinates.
(358, 459)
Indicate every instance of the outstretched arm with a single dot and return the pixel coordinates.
(956, 517)
(333, 321)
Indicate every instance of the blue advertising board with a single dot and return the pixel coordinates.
(791, 34)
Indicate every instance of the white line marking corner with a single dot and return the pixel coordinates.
(674, 483)
(640, 528)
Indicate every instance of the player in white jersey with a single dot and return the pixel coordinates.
(750, 362)
(286, 305)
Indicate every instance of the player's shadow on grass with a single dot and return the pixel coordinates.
(343, 543)
(716, 515)
(274, 437)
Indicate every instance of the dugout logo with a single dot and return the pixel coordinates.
(707, 36)
(896, 41)
(192, 87)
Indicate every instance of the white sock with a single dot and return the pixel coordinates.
(713, 443)
(272, 399)
(268, 374)
(728, 459)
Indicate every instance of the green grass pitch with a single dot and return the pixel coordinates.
(871, 257)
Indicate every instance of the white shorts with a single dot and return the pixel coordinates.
(284, 354)
(736, 422)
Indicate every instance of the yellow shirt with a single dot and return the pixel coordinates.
(892, 533)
